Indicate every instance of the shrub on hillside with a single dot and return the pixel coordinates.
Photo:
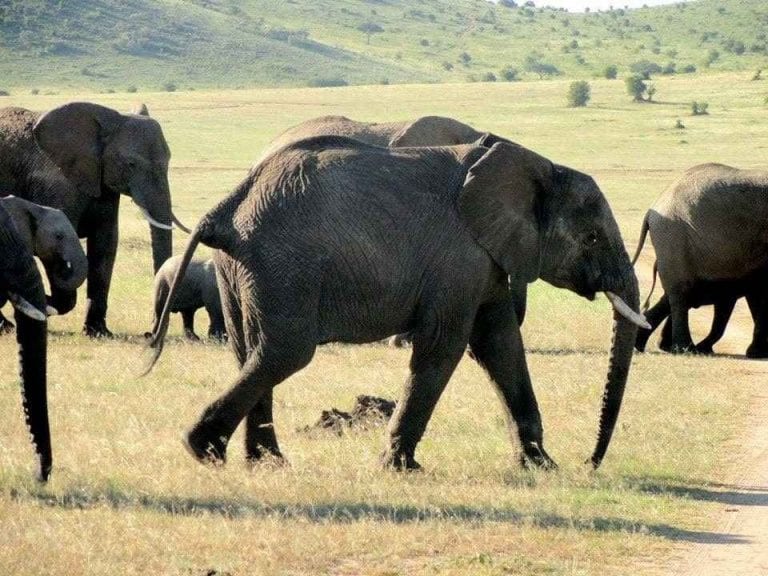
(579, 93)
(131, 89)
(509, 74)
(636, 87)
(699, 108)
(328, 82)
(645, 68)
(611, 72)
(689, 69)
(489, 77)
(4, 93)
(170, 87)
(670, 68)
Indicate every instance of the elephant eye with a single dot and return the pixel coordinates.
(591, 238)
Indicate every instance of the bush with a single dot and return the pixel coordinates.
(4, 93)
(489, 77)
(611, 72)
(509, 74)
(328, 82)
(689, 69)
(670, 68)
(712, 57)
(34, 91)
(679, 124)
(699, 108)
(645, 68)
(447, 66)
(579, 93)
(636, 87)
(169, 87)
(465, 58)
(131, 89)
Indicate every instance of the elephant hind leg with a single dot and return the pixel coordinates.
(281, 351)
(433, 361)
(758, 306)
(654, 316)
(723, 310)
(188, 317)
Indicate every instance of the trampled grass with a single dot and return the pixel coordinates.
(125, 497)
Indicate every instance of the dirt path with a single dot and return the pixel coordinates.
(739, 545)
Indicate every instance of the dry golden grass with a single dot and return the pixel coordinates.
(125, 498)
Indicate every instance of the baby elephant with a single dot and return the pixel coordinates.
(198, 289)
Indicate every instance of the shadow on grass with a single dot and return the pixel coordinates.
(729, 494)
(347, 512)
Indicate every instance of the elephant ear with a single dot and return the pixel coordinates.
(501, 203)
(433, 131)
(73, 136)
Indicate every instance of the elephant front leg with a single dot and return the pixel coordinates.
(260, 437)
(497, 345)
(723, 311)
(758, 306)
(432, 364)
(102, 250)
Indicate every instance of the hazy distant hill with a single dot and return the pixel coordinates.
(152, 44)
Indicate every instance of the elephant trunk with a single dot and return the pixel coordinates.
(155, 205)
(622, 347)
(32, 338)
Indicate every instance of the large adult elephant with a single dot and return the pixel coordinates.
(53, 240)
(331, 239)
(709, 233)
(424, 131)
(20, 283)
(80, 158)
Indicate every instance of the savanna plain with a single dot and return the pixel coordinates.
(125, 498)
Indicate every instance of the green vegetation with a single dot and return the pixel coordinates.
(110, 44)
(125, 498)
(579, 93)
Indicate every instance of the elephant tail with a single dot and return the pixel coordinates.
(641, 242)
(653, 286)
(161, 325)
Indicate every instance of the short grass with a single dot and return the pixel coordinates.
(125, 498)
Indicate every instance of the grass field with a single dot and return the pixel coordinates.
(126, 499)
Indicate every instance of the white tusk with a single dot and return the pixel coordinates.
(25, 307)
(68, 265)
(623, 308)
(180, 226)
(51, 311)
(152, 221)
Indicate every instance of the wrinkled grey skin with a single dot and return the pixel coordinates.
(197, 289)
(332, 240)
(52, 239)
(20, 282)
(709, 233)
(80, 158)
(424, 131)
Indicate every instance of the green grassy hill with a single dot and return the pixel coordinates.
(153, 44)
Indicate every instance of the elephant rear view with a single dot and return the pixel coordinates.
(333, 240)
(709, 233)
(20, 282)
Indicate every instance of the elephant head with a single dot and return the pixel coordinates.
(434, 131)
(20, 282)
(52, 239)
(103, 151)
(540, 220)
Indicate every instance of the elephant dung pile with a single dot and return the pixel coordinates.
(368, 412)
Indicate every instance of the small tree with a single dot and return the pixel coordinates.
(579, 93)
(611, 72)
(699, 108)
(370, 28)
(636, 87)
(489, 77)
(509, 73)
(465, 58)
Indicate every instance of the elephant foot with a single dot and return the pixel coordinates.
(263, 456)
(672, 348)
(757, 351)
(704, 348)
(219, 337)
(191, 336)
(203, 449)
(534, 456)
(6, 326)
(98, 330)
(399, 461)
(641, 340)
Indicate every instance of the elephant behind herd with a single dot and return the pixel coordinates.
(305, 255)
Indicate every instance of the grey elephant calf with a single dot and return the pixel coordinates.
(49, 235)
(197, 290)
